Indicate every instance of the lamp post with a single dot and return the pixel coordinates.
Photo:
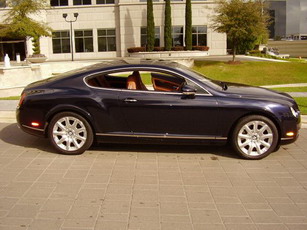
(71, 41)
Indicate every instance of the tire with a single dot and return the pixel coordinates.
(70, 133)
(255, 137)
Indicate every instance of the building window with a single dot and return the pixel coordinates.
(105, 2)
(59, 2)
(177, 35)
(82, 2)
(61, 42)
(144, 36)
(84, 41)
(106, 40)
(199, 35)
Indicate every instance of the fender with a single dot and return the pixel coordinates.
(68, 108)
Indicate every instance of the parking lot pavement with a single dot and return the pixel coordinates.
(149, 187)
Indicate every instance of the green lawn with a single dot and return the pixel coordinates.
(302, 104)
(254, 73)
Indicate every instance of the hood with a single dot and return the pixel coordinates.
(253, 92)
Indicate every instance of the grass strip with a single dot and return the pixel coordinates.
(291, 89)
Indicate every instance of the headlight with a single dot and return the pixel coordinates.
(294, 113)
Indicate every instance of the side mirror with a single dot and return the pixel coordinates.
(188, 90)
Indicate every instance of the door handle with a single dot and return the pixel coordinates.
(130, 100)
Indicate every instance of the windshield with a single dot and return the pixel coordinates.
(204, 79)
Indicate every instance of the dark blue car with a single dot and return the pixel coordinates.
(155, 102)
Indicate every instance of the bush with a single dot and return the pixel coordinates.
(254, 52)
(263, 55)
(177, 48)
(201, 48)
(159, 49)
(136, 49)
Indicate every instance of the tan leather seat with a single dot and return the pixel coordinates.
(134, 82)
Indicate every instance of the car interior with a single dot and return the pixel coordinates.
(138, 80)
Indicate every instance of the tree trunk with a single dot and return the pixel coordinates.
(234, 51)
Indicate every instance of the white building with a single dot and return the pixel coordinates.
(106, 28)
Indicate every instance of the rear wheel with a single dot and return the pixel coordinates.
(255, 137)
(70, 133)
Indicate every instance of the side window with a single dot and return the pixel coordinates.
(141, 80)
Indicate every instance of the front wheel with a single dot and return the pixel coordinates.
(255, 137)
(70, 133)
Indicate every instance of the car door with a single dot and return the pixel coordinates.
(169, 114)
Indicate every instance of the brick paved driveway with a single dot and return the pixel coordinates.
(149, 187)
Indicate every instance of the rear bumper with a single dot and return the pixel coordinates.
(28, 129)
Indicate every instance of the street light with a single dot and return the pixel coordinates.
(71, 41)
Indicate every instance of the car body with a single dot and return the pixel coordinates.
(150, 101)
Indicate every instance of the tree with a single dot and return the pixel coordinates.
(18, 21)
(188, 25)
(241, 20)
(168, 40)
(150, 26)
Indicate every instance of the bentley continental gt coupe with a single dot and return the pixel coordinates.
(149, 101)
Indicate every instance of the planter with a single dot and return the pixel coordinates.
(170, 54)
(37, 59)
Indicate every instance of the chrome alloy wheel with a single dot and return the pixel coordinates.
(255, 138)
(69, 133)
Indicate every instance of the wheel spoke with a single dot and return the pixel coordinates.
(255, 126)
(246, 143)
(61, 140)
(259, 151)
(74, 141)
(265, 144)
(60, 125)
(250, 148)
(266, 136)
(244, 136)
(80, 138)
(264, 127)
(247, 129)
(59, 133)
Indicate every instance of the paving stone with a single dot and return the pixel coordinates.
(232, 210)
(39, 224)
(23, 211)
(264, 216)
(205, 217)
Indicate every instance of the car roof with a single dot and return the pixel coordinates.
(133, 63)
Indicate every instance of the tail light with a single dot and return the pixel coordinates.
(22, 98)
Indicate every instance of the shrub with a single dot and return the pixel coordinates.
(177, 48)
(168, 40)
(136, 49)
(201, 48)
(159, 49)
(254, 52)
